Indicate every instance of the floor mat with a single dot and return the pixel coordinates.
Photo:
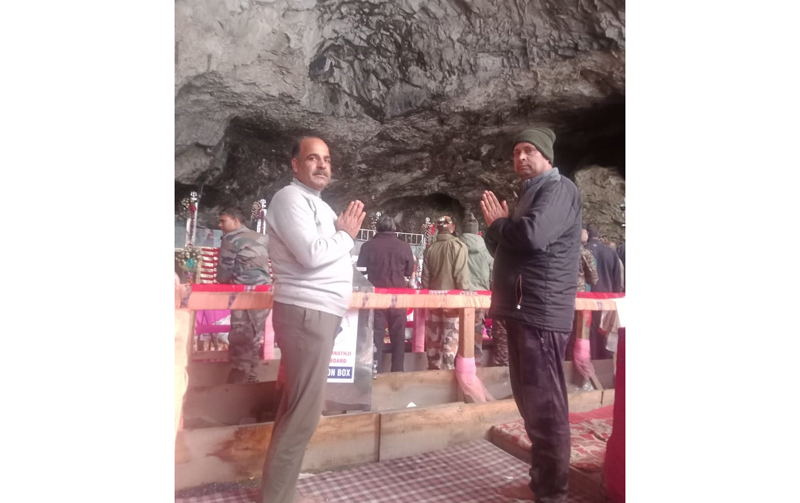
(466, 473)
(589, 432)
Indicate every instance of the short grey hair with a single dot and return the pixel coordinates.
(386, 224)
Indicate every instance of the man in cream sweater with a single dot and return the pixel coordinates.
(312, 282)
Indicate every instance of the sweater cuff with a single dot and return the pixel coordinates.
(352, 241)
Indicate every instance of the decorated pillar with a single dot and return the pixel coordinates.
(373, 221)
(429, 231)
(259, 214)
(190, 213)
(189, 261)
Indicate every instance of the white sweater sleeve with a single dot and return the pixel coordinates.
(293, 220)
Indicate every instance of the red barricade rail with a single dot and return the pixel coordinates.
(216, 296)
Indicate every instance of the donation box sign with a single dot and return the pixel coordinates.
(343, 357)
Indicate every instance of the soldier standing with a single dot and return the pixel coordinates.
(243, 260)
(445, 267)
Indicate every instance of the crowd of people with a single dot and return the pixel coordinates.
(533, 260)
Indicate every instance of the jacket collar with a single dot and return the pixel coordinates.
(238, 230)
(305, 188)
(444, 237)
(536, 181)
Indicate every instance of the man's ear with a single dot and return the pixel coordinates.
(294, 164)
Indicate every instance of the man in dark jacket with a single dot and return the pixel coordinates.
(607, 263)
(609, 280)
(535, 278)
(389, 261)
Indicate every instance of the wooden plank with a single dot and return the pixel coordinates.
(608, 397)
(586, 401)
(236, 453)
(596, 382)
(184, 323)
(200, 356)
(229, 404)
(496, 380)
(396, 390)
(412, 362)
(216, 373)
(466, 336)
(604, 369)
(416, 431)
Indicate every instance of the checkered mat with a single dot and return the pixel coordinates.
(466, 473)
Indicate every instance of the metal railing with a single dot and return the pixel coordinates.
(408, 237)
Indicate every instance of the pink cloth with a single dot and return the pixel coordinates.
(206, 321)
(467, 377)
(420, 315)
(269, 339)
(582, 357)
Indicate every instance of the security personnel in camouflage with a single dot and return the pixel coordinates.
(445, 267)
(243, 260)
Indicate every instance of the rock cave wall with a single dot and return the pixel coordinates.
(417, 99)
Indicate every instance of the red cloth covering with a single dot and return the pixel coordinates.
(411, 291)
(196, 287)
(217, 287)
(614, 466)
(599, 295)
(589, 432)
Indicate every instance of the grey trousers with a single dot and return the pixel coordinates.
(305, 337)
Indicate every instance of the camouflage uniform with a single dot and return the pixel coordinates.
(500, 338)
(441, 339)
(445, 267)
(244, 260)
(586, 270)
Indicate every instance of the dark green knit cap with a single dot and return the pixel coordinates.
(541, 137)
(471, 224)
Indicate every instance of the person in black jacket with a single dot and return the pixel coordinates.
(389, 260)
(607, 263)
(610, 280)
(534, 285)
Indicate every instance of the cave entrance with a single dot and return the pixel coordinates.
(410, 211)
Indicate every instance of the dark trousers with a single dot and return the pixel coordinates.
(597, 341)
(305, 337)
(396, 318)
(480, 317)
(537, 381)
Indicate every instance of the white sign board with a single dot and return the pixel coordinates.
(343, 357)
